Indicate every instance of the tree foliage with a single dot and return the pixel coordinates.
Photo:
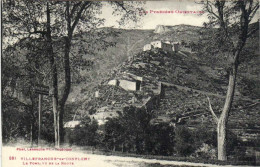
(85, 134)
(184, 142)
(66, 33)
(132, 131)
(160, 139)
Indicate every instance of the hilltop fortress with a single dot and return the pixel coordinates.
(164, 45)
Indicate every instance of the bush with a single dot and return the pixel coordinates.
(128, 131)
(114, 134)
(160, 139)
(204, 135)
(132, 132)
(206, 151)
(85, 134)
(205, 142)
(184, 143)
(16, 120)
(232, 142)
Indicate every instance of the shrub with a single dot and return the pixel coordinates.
(114, 134)
(85, 134)
(204, 135)
(160, 139)
(128, 131)
(184, 143)
(206, 151)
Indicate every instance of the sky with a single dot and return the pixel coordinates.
(151, 19)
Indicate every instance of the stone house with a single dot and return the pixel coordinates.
(162, 45)
(130, 85)
(147, 47)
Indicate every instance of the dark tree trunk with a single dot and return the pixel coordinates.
(67, 83)
(67, 72)
(70, 29)
(54, 79)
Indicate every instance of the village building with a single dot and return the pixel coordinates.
(164, 45)
(130, 85)
(147, 47)
(97, 94)
(71, 124)
(168, 42)
(102, 117)
(128, 81)
(113, 82)
(140, 65)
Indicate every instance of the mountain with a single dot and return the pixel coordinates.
(131, 42)
(175, 84)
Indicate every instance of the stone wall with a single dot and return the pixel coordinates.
(153, 102)
(175, 47)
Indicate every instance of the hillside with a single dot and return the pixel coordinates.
(181, 97)
(128, 43)
(131, 42)
(186, 80)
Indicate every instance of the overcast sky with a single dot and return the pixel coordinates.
(150, 20)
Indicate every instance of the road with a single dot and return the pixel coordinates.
(47, 157)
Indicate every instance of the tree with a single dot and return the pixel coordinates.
(160, 139)
(19, 76)
(114, 134)
(77, 16)
(232, 20)
(15, 123)
(136, 123)
(129, 130)
(23, 39)
(183, 141)
(52, 20)
(85, 134)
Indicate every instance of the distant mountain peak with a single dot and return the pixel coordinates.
(160, 29)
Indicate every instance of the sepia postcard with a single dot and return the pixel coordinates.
(130, 83)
